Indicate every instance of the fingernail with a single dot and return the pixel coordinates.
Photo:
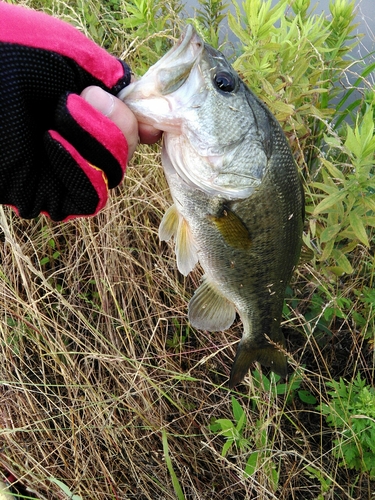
(99, 99)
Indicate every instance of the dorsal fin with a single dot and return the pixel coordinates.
(209, 310)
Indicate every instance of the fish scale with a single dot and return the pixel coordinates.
(238, 199)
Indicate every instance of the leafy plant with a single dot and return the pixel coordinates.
(261, 459)
(234, 430)
(179, 336)
(151, 23)
(208, 18)
(364, 315)
(175, 481)
(351, 411)
(274, 388)
(344, 216)
(321, 476)
(292, 59)
(54, 254)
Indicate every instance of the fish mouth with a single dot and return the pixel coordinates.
(171, 71)
(189, 39)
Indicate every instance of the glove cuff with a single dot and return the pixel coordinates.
(30, 28)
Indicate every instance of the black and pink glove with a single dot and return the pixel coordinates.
(58, 155)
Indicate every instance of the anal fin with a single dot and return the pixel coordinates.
(209, 310)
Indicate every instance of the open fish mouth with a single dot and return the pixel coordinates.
(171, 71)
(189, 44)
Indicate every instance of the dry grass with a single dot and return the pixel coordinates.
(98, 360)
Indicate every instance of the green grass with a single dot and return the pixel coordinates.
(106, 391)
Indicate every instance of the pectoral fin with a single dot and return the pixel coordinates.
(173, 224)
(186, 252)
(209, 310)
(247, 353)
(169, 224)
(232, 229)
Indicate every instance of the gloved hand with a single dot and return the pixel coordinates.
(58, 155)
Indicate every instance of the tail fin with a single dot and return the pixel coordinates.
(248, 352)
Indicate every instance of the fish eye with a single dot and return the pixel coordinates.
(225, 81)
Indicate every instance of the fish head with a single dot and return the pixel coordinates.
(209, 118)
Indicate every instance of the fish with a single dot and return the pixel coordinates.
(238, 200)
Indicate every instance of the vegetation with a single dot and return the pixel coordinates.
(106, 391)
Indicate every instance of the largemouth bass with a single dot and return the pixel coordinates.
(238, 199)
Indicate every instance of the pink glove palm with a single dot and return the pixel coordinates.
(58, 155)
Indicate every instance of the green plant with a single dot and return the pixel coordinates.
(351, 411)
(324, 480)
(167, 458)
(325, 307)
(179, 336)
(233, 431)
(344, 215)
(274, 388)
(152, 23)
(364, 315)
(208, 18)
(54, 254)
(292, 60)
(237, 434)
(261, 458)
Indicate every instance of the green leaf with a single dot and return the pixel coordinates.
(330, 232)
(307, 397)
(251, 464)
(342, 261)
(176, 485)
(358, 227)
(241, 422)
(329, 202)
(226, 447)
(368, 202)
(328, 249)
(353, 143)
(65, 489)
(332, 169)
(237, 409)
(225, 424)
